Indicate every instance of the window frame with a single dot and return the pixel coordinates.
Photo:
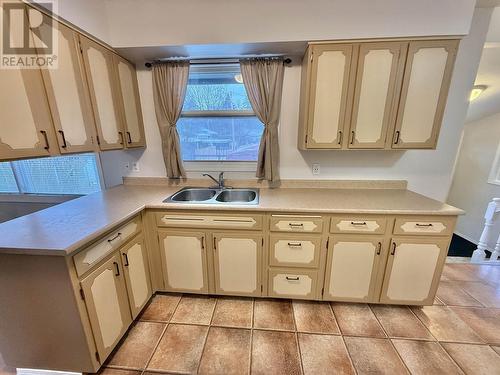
(219, 165)
(22, 193)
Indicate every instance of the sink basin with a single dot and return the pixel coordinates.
(215, 196)
(236, 196)
(193, 195)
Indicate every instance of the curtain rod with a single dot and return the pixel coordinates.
(214, 61)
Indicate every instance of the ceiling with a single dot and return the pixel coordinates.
(488, 74)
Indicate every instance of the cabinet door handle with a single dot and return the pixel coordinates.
(126, 259)
(358, 222)
(295, 244)
(203, 243)
(393, 248)
(423, 225)
(46, 139)
(64, 145)
(379, 249)
(396, 141)
(121, 137)
(129, 138)
(215, 243)
(340, 137)
(296, 278)
(115, 237)
(117, 268)
(352, 138)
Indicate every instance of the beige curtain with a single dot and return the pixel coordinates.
(169, 90)
(263, 79)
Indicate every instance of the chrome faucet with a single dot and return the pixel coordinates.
(220, 182)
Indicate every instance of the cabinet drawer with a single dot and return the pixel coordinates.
(358, 224)
(292, 250)
(89, 257)
(291, 223)
(187, 220)
(292, 283)
(435, 226)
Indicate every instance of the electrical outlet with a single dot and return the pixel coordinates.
(135, 167)
(316, 168)
(127, 166)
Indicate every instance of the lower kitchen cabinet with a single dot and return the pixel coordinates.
(184, 260)
(293, 283)
(137, 277)
(352, 267)
(413, 270)
(107, 304)
(238, 263)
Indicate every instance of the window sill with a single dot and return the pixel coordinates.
(221, 166)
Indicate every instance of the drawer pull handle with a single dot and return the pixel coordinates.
(379, 249)
(295, 244)
(358, 222)
(115, 237)
(117, 269)
(423, 225)
(126, 259)
(296, 278)
(393, 248)
(296, 225)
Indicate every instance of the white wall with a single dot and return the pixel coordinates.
(427, 171)
(470, 189)
(161, 22)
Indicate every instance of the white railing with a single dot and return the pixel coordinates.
(490, 216)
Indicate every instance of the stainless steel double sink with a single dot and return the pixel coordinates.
(215, 196)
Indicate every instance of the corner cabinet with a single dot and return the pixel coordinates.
(374, 95)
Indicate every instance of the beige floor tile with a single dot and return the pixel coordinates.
(453, 295)
(233, 312)
(488, 295)
(161, 308)
(399, 321)
(356, 319)
(374, 356)
(273, 314)
(474, 359)
(484, 321)
(445, 325)
(275, 352)
(425, 358)
(113, 371)
(180, 349)
(438, 302)
(227, 351)
(314, 317)
(136, 349)
(194, 310)
(462, 272)
(321, 354)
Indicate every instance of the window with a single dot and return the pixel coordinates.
(72, 174)
(217, 121)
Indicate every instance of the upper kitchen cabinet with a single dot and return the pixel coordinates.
(68, 94)
(326, 70)
(104, 94)
(130, 103)
(424, 93)
(378, 68)
(374, 95)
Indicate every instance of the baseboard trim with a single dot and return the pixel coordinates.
(31, 371)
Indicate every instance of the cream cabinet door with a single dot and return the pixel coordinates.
(130, 102)
(238, 263)
(413, 270)
(424, 93)
(352, 267)
(328, 100)
(68, 94)
(26, 128)
(103, 86)
(107, 304)
(136, 271)
(184, 261)
(376, 80)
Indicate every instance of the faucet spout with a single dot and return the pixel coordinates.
(219, 182)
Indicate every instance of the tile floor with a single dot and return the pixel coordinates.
(187, 334)
(198, 334)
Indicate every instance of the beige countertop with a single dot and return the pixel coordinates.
(65, 228)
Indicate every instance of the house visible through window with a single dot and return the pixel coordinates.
(217, 121)
(72, 174)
